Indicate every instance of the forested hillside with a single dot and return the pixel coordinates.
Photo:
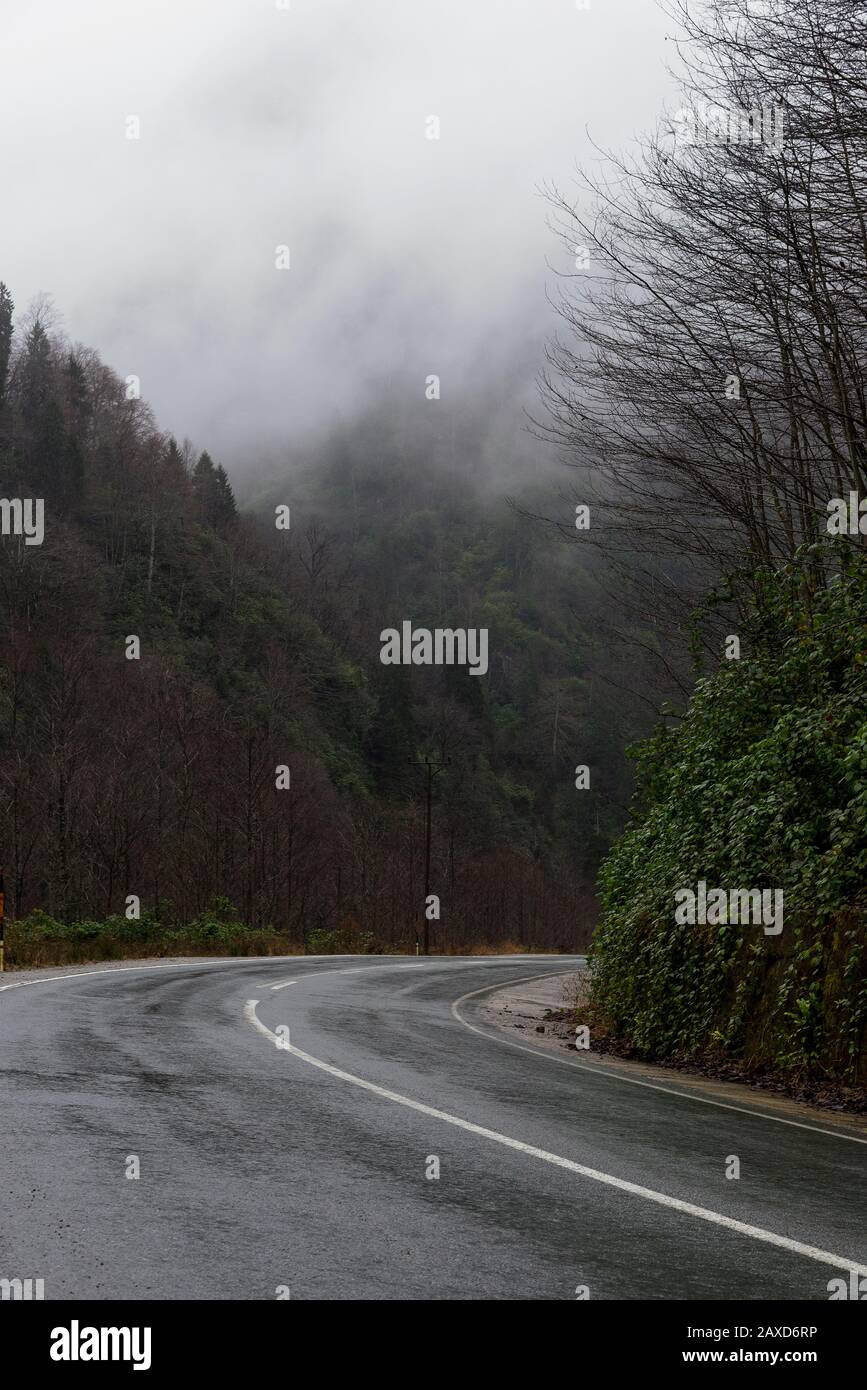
(154, 771)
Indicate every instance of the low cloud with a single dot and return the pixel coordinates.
(306, 127)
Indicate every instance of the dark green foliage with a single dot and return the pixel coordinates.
(762, 784)
(39, 939)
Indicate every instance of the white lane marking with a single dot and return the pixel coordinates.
(313, 974)
(795, 1247)
(607, 1075)
(354, 970)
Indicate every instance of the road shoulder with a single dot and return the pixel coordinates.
(526, 1013)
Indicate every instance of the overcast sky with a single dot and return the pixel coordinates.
(305, 126)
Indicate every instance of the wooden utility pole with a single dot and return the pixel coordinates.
(427, 855)
(433, 769)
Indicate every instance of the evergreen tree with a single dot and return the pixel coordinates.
(214, 497)
(50, 466)
(6, 310)
(35, 376)
(77, 396)
(225, 509)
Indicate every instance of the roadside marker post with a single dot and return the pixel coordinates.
(2, 923)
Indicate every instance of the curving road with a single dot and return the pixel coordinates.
(302, 1162)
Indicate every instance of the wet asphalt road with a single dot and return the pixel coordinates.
(261, 1170)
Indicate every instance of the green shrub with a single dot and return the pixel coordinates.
(763, 784)
(39, 926)
(40, 939)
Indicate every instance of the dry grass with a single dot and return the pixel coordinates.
(29, 955)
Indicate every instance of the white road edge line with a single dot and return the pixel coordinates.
(127, 969)
(607, 1075)
(180, 965)
(795, 1247)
